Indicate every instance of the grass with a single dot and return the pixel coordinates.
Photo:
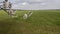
(41, 22)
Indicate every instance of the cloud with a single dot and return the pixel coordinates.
(36, 4)
(24, 3)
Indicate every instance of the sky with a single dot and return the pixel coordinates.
(35, 4)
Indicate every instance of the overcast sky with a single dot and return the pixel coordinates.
(35, 4)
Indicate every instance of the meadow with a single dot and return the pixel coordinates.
(40, 22)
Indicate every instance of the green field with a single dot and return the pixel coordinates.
(41, 22)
